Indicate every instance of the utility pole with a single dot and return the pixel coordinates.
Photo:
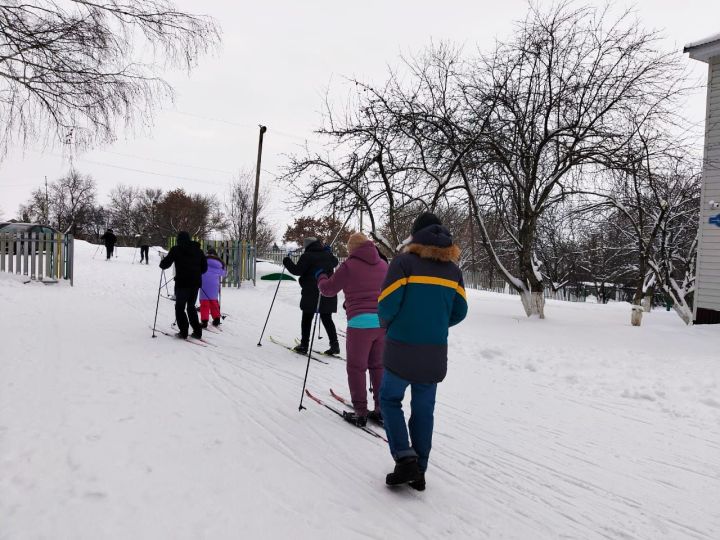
(263, 129)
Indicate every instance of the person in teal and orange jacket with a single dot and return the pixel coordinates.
(422, 296)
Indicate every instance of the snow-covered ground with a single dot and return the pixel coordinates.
(579, 426)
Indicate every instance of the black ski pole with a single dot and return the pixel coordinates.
(157, 306)
(259, 343)
(312, 340)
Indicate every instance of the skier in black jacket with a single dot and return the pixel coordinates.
(109, 239)
(315, 260)
(190, 265)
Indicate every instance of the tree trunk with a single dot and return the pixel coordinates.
(531, 296)
(534, 303)
(684, 312)
(648, 300)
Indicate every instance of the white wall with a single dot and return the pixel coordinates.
(708, 273)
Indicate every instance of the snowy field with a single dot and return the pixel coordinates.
(576, 427)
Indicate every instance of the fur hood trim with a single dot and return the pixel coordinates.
(444, 254)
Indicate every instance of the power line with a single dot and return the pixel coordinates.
(224, 171)
(249, 126)
(142, 171)
(220, 121)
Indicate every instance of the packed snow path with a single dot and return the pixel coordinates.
(578, 426)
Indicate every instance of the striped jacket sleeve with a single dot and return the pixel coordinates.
(393, 291)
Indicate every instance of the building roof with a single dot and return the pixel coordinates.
(704, 49)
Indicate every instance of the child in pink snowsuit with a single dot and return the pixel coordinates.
(210, 290)
(361, 277)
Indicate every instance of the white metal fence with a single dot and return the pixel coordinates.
(43, 257)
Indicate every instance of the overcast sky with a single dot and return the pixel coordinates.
(275, 64)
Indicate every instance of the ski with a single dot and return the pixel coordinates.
(349, 405)
(200, 343)
(293, 351)
(189, 339)
(213, 329)
(340, 414)
(315, 351)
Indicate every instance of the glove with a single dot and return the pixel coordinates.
(328, 248)
(319, 272)
(286, 261)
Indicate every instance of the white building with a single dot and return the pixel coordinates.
(707, 295)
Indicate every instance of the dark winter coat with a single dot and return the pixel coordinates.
(142, 240)
(109, 238)
(189, 260)
(423, 295)
(313, 259)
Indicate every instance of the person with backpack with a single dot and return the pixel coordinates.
(109, 240)
(423, 295)
(210, 290)
(360, 277)
(315, 257)
(190, 264)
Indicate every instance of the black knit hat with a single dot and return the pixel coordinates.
(183, 237)
(425, 220)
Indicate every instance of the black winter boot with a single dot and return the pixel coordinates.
(418, 484)
(406, 470)
(355, 419)
(300, 349)
(333, 350)
(216, 322)
(197, 334)
(204, 324)
(375, 416)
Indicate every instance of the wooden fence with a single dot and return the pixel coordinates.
(44, 257)
(239, 259)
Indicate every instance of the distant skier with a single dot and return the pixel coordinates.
(144, 244)
(190, 264)
(361, 277)
(210, 290)
(110, 240)
(316, 257)
(423, 295)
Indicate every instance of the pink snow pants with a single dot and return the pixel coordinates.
(365, 353)
(208, 307)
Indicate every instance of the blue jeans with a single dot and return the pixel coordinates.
(422, 407)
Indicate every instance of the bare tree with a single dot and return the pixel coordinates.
(78, 68)
(651, 194)
(675, 257)
(67, 205)
(179, 211)
(124, 210)
(238, 212)
(560, 89)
